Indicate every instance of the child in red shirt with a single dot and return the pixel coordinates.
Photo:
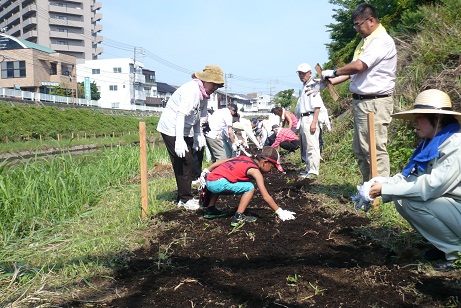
(234, 176)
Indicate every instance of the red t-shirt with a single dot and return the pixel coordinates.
(234, 170)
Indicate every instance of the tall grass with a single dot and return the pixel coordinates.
(41, 193)
(88, 230)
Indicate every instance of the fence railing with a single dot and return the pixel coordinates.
(41, 97)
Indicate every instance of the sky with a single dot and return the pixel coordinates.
(258, 44)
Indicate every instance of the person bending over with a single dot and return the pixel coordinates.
(235, 176)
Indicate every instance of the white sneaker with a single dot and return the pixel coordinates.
(191, 204)
(196, 182)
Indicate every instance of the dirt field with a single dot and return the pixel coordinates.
(318, 260)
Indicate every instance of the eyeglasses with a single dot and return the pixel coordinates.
(357, 24)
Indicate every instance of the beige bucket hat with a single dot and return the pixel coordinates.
(211, 73)
(429, 102)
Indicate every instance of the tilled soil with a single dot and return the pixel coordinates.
(318, 260)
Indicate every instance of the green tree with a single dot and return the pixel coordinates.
(285, 98)
(391, 13)
(61, 90)
(95, 95)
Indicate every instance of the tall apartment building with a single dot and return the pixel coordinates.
(68, 27)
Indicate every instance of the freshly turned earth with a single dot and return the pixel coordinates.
(318, 260)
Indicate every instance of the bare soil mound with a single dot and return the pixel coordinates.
(318, 260)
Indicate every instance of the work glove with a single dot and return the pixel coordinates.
(202, 178)
(362, 197)
(199, 141)
(328, 74)
(235, 146)
(285, 215)
(180, 147)
(315, 88)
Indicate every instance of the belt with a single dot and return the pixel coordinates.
(358, 96)
(306, 114)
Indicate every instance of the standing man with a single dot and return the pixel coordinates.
(372, 74)
(220, 123)
(308, 110)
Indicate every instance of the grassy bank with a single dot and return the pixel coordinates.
(69, 218)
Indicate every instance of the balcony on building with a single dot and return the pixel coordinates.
(96, 6)
(65, 9)
(96, 17)
(97, 51)
(97, 39)
(31, 8)
(29, 21)
(30, 34)
(97, 28)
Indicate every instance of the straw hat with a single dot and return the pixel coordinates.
(429, 102)
(211, 73)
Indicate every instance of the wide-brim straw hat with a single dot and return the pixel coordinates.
(429, 102)
(211, 73)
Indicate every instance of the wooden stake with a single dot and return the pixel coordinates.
(330, 87)
(143, 153)
(372, 145)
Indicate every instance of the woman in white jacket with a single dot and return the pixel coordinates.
(428, 191)
(180, 127)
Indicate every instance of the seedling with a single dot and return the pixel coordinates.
(293, 280)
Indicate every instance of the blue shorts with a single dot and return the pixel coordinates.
(224, 187)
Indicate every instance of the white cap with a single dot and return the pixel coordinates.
(304, 67)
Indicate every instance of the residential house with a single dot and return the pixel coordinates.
(120, 82)
(32, 67)
(68, 27)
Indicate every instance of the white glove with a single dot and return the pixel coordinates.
(363, 195)
(315, 88)
(202, 178)
(235, 147)
(285, 215)
(180, 147)
(199, 141)
(328, 74)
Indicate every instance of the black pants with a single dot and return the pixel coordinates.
(182, 167)
(270, 140)
(197, 157)
(320, 139)
(290, 146)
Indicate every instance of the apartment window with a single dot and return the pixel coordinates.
(117, 69)
(62, 17)
(53, 69)
(113, 88)
(63, 30)
(96, 71)
(62, 42)
(115, 105)
(13, 69)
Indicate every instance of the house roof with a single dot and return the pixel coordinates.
(165, 88)
(8, 42)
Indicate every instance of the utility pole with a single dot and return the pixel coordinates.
(225, 84)
(133, 100)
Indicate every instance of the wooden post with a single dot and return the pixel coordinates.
(143, 153)
(372, 150)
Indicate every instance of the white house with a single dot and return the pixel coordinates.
(119, 81)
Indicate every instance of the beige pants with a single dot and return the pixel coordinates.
(382, 109)
(310, 144)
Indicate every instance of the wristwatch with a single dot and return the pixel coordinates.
(334, 72)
